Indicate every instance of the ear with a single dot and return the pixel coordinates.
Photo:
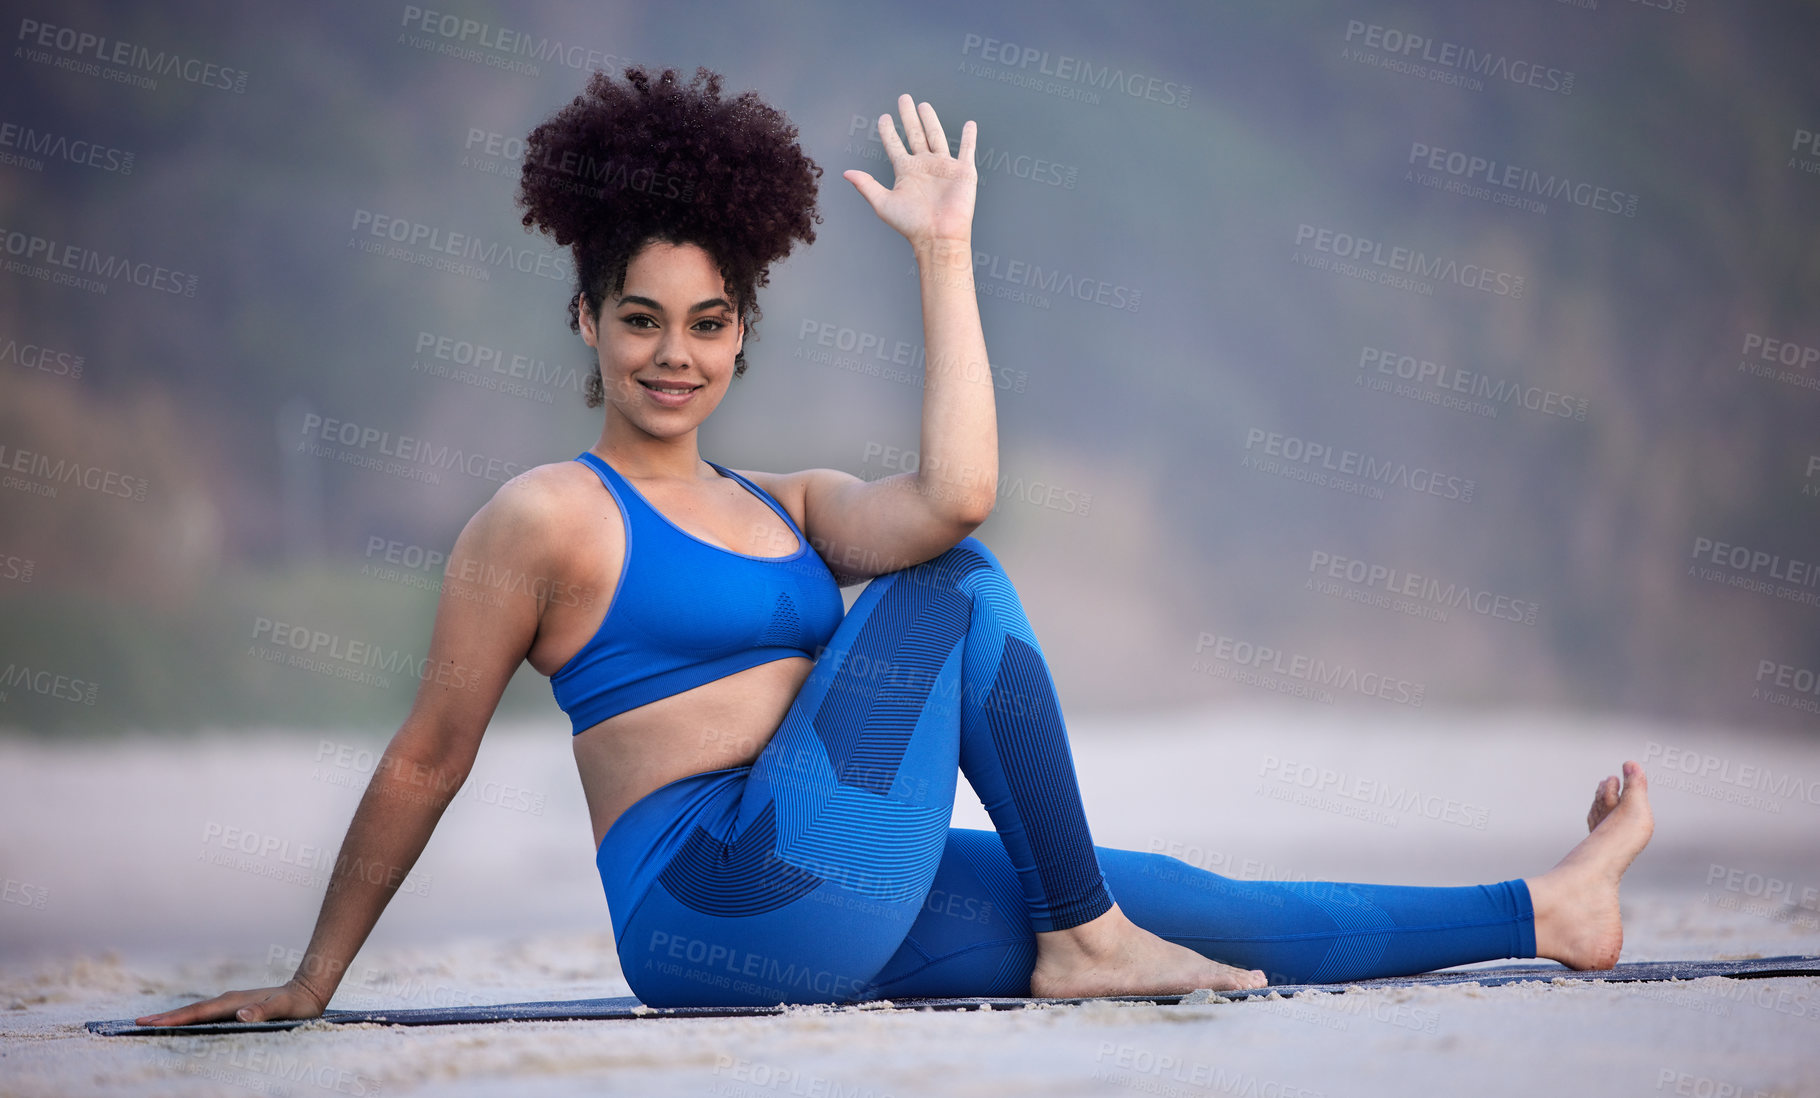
(739, 344)
(588, 333)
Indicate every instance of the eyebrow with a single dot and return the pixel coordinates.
(634, 299)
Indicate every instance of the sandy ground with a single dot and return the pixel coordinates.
(148, 872)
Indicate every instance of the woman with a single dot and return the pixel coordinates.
(771, 783)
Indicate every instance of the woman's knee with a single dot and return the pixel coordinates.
(971, 544)
(966, 555)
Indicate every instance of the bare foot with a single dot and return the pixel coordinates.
(1576, 902)
(1111, 955)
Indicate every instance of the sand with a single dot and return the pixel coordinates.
(128, 890)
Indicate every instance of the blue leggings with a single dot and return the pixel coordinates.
(827, 871)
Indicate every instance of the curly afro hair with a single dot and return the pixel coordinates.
(653, 159)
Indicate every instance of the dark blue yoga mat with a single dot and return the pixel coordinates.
(630, 1008)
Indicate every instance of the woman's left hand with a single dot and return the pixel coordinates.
(932, 197)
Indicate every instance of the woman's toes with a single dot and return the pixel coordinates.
(1605, 798)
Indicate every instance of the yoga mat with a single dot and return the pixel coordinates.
(626, 1007)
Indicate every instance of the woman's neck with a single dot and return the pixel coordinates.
(637, 454)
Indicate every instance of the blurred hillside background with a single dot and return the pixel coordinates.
(1198, 229)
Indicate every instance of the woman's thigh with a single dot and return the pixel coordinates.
(800, 882)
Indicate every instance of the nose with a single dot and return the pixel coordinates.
(672, 349)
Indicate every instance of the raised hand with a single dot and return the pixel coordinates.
(931, 198)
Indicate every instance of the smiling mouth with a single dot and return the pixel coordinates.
(670, 388)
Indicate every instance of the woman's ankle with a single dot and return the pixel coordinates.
(1094, 938)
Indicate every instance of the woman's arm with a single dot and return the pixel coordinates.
(865, 528)
(485, 622)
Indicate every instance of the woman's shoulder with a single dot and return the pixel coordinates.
(540, 507)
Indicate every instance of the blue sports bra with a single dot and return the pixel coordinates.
(685, 612)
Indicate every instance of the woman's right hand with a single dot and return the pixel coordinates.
(266, 1004)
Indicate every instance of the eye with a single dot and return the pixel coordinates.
(714, 323)
(635, 319)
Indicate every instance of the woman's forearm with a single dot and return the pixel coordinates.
(392, 825)
(958, 472)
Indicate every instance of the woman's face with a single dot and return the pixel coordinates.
(666, 341)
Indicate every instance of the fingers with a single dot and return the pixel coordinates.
(914, 140)
(183, 1016)
(869, 188)
(245, 1006)
(932, 130)
(923, 131)
(894, 147)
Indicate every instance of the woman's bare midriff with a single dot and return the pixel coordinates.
(718, 724)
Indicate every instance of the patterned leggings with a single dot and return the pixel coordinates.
(827, 871)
